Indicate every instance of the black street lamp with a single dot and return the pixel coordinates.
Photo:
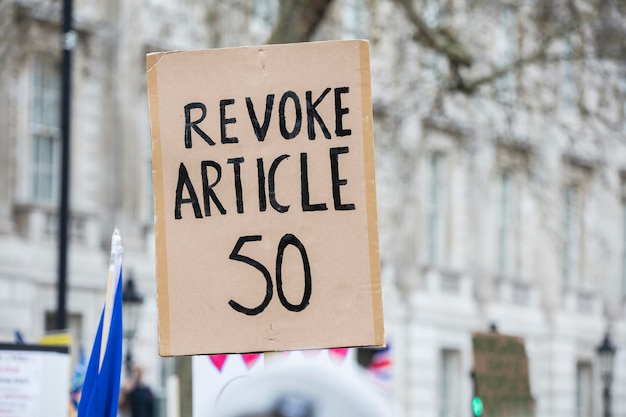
(131, 306)
(606, 354)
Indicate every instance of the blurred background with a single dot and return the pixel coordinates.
(500, 131)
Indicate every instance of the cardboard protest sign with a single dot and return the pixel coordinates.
(501, 375)
(265, 208)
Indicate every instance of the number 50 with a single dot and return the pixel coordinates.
(286, 240)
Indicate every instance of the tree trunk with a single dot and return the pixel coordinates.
(298, 19)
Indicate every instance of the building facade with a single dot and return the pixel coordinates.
(110, 160)
(504, 205)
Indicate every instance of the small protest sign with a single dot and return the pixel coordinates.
(501, 375)
(34, 380)
(265, 207)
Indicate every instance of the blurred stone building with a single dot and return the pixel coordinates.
(502, 205)
(111, 159)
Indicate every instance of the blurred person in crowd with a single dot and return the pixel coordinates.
(309, 390)
(136, 398)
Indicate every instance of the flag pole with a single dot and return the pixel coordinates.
(114, 275)
(101, 387)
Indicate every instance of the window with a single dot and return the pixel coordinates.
(449, 383)
(571, 250)
(355, 19)
(432, 13)
(505, 47)
(433, 61)
(583, 390)
(45, 130)
(437, 200)
(508, 225)
(622, 98)
(624, 249)
(568, 87)
(264, 14)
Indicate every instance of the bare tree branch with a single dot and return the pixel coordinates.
(470, 86)
(539, 57)
(442, 39)
(298, 19)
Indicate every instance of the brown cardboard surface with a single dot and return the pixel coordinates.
(159, 219)
(224, 204)
(501, 373)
